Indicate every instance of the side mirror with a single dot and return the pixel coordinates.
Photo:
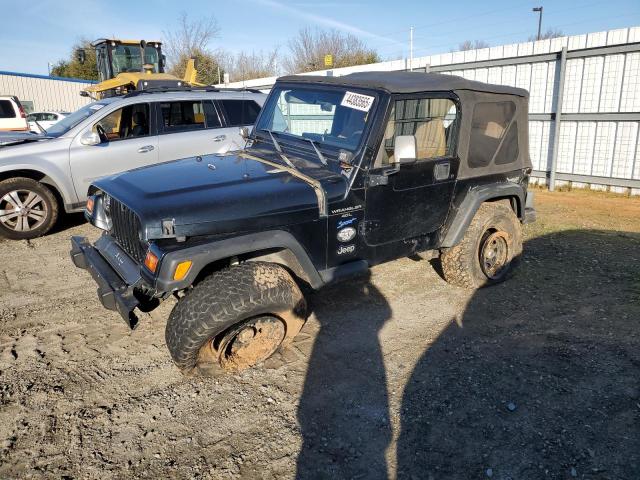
(163, 60)
(405, 150)
(90, 138)
(244, 132)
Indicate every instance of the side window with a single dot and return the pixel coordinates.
(489, 126)
(240, 112)
(131, 121)
(211, 115)
(432, 121)
(6, 109)
(31, 117)
(509, 151)
(182, 116)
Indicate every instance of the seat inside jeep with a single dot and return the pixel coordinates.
(429, 120)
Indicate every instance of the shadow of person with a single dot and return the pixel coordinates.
(344, 409)
(542, 376)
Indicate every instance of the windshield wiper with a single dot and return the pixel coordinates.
(279, 149)
(42, 130)
(318, 152)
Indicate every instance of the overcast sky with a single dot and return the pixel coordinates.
(40, 31)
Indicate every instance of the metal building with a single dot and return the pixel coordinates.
(584, 109)
(40, 92)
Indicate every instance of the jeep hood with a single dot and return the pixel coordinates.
(220, 194)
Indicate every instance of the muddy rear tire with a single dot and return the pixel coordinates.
(488, 252)
(235, 318)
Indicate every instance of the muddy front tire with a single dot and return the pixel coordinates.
(488, 252)
(235, 318)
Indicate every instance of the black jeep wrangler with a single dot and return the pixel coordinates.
(338, 174)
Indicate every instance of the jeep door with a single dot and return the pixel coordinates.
(411, 199)
(128, 140)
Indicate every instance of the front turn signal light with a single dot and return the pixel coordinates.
(151, 261)
(90, 204)
(182, 269)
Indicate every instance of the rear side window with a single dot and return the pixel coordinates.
(182, 116)
(508, 152)
(211, 115)
(6, 109)
(491, 123)
(189, 115)
(240, 112)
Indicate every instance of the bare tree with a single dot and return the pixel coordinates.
(245, 66)
(309, 47)
(472, 45)
(192, 39)
(551, 33)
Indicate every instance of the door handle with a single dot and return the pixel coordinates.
(146, 148)
(219, 138)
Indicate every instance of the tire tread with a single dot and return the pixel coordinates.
(225, 298)
(458, 261)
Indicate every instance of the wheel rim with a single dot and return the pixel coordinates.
(22, 210)
(494, 255)
(252, 343)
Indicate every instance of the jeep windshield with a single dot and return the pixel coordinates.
(67, 123)
(330, 117)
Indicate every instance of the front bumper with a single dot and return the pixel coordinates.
(114, 292)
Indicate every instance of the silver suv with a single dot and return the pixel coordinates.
(42, 174)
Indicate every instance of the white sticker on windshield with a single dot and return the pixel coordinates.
(97, 106)
(357, 101)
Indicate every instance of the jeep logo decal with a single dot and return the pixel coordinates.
(345, 249)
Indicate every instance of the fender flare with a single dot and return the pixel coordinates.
(464, 212)
(263, 243)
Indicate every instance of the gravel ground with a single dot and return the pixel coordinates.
(398, 375)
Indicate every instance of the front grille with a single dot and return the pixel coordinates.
(125, 228)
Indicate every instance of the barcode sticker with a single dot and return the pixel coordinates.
(357, 101)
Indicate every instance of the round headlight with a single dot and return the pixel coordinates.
(346, 234)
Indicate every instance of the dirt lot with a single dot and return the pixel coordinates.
(396, 375)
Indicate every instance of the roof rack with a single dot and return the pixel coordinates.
(208, 88)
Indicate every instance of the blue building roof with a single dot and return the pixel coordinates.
(47, 77)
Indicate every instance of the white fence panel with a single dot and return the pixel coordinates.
(600, 115)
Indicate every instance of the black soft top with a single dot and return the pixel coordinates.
(407, 82)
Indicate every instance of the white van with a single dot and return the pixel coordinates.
(12, 116)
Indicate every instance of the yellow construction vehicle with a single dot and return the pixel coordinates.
(128, 65)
